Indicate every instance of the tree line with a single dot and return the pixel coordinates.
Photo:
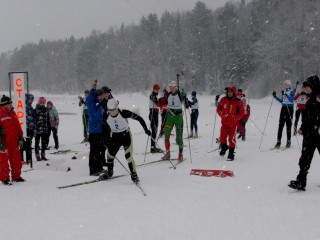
(254, 45)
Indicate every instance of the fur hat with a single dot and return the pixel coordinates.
(5, 100)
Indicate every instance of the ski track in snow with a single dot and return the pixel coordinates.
(254, 204)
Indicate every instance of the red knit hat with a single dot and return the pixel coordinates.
(42, 101)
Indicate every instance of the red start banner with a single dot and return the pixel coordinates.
(19, 98)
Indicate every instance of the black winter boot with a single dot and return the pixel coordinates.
(297, 185)
(288, 144)
(231, 154)
(277, 145)
(223, 150)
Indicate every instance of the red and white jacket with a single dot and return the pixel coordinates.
(301, 100)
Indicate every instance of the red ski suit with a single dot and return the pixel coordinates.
(11, 153)
(230, 111)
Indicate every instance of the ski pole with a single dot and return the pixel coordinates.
(214, 127)
(145, 152)
(188, 134)
(264, 129)
(254, 124)
(122, 164)
(291, 120)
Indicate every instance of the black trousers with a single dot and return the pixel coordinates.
(44, 142)
(27, 144)
(96, 153)
(117, 140)
(297, 116)
(309, 145)
(154, 121)
(286, 116)
(55, 136)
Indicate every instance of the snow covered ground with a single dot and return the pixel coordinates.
(254, 204)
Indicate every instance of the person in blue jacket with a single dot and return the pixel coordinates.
(286, 113)
(95, 113)
(31, 125)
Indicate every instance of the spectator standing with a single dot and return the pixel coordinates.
(194, 105)
(53, 124)
(85, 116)
(11, 141)
(42, 129)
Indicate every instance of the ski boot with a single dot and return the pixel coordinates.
(223, 150)
(38, 157)
(191, 135)
(231, 154)
(155, 150)
(196, 135)
(180, 157)
(43, 157)
(277, 146)
(288, 144)
(7, 182)
(166, 156)
(134, 177)
(20, 179)
(297, 185)
(105, 175)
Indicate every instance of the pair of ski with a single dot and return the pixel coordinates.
(64, 152)
(174, 165)
(100, 180)
(276, 149)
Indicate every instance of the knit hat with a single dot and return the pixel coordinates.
(112, 104)
(287, 83)
(173, 84)
(5, 100)
(314, 83)
(50, 103)
(156, 86)
(42, 101)
(106, 89)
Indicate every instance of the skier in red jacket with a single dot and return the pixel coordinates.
(11, 141)
(231, 110)
(244, 119)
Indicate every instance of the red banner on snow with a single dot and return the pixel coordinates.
(212, 173)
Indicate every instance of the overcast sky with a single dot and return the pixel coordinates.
(25, 21)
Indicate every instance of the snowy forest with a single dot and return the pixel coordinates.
(254, 45)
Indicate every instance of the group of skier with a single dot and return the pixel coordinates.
(40, 122)
(107, 128)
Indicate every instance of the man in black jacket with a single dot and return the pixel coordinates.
(310, 131)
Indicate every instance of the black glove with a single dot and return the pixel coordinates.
(282, 92)
(274, 94)
(147, 131)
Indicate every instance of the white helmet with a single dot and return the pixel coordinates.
(112, 103)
